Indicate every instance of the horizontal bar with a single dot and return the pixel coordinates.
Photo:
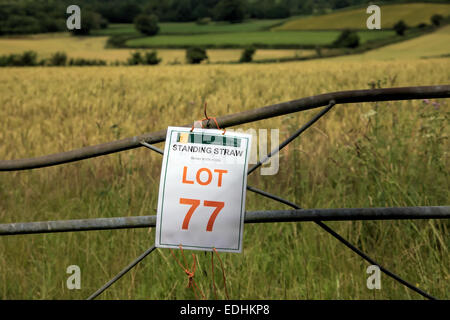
(437, 212)
(275, 110)
(349, 214)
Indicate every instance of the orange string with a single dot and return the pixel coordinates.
(223, 274)
(208, 118)
(212, 274)
(215, 120)
(189, 273)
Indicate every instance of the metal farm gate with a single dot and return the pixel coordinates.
(327, 101)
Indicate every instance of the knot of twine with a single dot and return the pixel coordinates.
(189, 273)
(199, 123)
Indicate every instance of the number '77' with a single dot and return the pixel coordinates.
(195, 203)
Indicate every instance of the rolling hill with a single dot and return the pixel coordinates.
(431, 45)
(412, 13)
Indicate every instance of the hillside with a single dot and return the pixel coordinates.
(431, 45)
(242, 39)
(412, 13)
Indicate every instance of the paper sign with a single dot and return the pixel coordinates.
(201, 202)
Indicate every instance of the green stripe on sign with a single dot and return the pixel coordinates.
(185, 137)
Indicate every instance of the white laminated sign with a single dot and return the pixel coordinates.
(201, 203)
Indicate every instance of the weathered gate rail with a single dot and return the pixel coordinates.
(340, 97)
(298, 214)
(345, 214)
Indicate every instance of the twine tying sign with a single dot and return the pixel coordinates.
(199, 123)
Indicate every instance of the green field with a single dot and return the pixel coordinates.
(411, 13)
(116, 29)
(267, 38)
(306, 32)
(167, 28)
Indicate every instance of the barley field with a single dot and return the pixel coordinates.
(358, 155)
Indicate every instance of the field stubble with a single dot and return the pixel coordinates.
(376, 155)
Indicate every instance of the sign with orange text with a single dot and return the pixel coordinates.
(201, 202)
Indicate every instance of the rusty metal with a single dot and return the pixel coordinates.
(121, 273)
(275, 110)
(297, 215)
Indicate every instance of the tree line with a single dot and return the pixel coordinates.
(40, 16)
